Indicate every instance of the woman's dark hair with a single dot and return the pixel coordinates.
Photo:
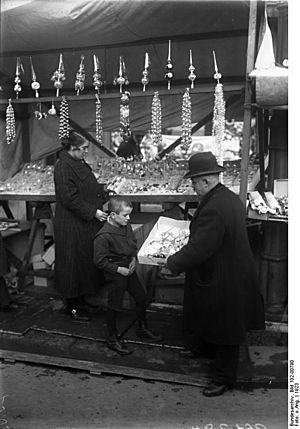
(74, 139)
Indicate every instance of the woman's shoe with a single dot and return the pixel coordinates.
(145, 333)
(214, 389)
(118, 346)
(75, 315)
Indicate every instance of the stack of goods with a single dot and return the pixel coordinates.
(267, 203)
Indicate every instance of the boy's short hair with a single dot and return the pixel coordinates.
(115, 204)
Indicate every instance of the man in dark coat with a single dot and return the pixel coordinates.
(221, 296)
(77, 215)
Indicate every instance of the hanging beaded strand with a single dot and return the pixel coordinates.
(218, 125)
(186, 127)
(99, 127)
(10, 123)
(59, 76)
(80, 77)
(35, 85)
(192, 75)
(156, 123)
(169, 66)
(64, 126)
(145, 78)
(97, 82)
(17, 80)
(124, 116)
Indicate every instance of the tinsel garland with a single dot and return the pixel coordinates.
(156, 125)
(186, 127)
(10, 123)
(218, 126)
(124, 116)
(99, 129)
(64, 126)
(80, 77)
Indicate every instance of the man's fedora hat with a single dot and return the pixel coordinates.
(203, 163)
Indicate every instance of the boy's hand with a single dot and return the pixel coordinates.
(124, 271)
(132, 265)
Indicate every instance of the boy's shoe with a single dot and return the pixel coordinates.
(146, 334)
(215, 389)
(118, 346)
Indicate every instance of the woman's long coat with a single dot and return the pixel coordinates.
(221, 297)
(78, 196)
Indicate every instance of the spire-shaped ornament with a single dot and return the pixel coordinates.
(145, 78)
(169, 66)
(192, 75)
(35, 85)
(97, 82)
(17, 80)
(59, 76)
(80, 77)
(122, 79)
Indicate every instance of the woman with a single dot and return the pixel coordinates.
(78, 217)
(5, 301)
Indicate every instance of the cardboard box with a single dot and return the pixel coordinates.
(42, 281)
(49, 255)
(164, 225)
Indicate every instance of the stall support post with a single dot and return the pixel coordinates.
(248, 100)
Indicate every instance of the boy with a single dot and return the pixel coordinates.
(115, 253)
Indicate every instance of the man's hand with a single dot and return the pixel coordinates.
(132, 265)
(124, 271)
(100, 215)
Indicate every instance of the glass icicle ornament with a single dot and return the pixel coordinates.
(186, 126)
(99, 128)
(80, 77)
(169, 66)
(145, 78)
(124, 116)
(218, 125)
(59, 76)
(17, 80)
(64, 126)
(192, 75)
(97, 82)
(10, 123)
(35, 85)
(156, 123)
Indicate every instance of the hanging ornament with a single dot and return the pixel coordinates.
(186, 127)
(218, 126)
(124, 116)
(80, 77)
(64, 126)
(156, 124)
(52, 110)
(122, 79)
(59, 76)
(17, 80)
(169, 66)
(145, 78)
(99, 128)
(97, 82)
(192, 75)
(38, 112)
(35, 85)
(10, 123)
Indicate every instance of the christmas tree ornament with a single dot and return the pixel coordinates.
(59, 76)
(35, 85)
(186, 127)
(80, 77)
(218, 126)
(124, 116)
(145, 78)
(99, 128)
(97, 82)
(10, 123)
(64, 126)
(169, 66)
(192, 75)
(122, 79)
(17, 80)
(156, 123)
(52, 110)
